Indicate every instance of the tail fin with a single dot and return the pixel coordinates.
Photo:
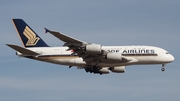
(28, 37)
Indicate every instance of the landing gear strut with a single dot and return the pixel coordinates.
(163, 69)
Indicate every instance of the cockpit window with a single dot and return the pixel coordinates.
(167, 53)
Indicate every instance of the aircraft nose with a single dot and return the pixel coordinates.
(171, 58)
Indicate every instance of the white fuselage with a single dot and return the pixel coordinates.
(137, 55)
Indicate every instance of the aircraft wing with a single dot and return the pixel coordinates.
(65, 38)
(83, 49)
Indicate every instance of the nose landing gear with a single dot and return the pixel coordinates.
(163, 69)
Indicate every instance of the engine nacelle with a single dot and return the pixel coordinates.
(93, 48)
(104, 71)
(120, 69)
(114, 56)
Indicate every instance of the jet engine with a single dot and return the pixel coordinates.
(93, 48)
(104, 71)
(114, 56)
(119, 69)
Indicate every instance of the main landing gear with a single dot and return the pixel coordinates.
(163, 69)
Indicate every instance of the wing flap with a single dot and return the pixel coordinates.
(22, 50)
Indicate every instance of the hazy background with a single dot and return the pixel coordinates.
(107, 22)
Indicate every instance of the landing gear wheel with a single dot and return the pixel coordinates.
(163, 69)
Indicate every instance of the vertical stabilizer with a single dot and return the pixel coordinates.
(27, 35)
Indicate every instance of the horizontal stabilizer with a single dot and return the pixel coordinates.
(23, 51)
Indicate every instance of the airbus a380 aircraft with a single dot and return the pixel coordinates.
(94, 58)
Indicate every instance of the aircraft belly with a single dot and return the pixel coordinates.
(76, 61)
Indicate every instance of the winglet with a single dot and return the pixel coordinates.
(46, 30)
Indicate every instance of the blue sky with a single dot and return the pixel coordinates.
(107, 22)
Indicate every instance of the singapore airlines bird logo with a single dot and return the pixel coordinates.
(31, 36)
